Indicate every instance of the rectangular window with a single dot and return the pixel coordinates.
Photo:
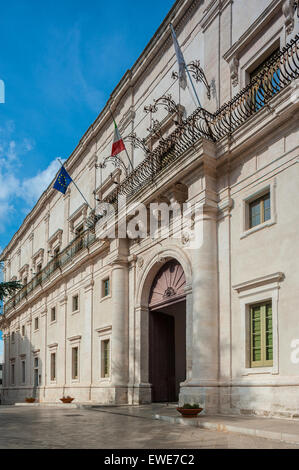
(267, 80)
(13, 337)
(23, 330)
(75, 363)
(106, 288)
(36, 323)
(53, 314)
(105, 355)
(36, 375)
(53, 367)
(259, 210)
(261, 337)
(75, 303)
(23, 367)
(12, 373)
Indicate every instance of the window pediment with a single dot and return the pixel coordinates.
(55, 239)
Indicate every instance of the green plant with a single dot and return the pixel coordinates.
(9, 288)
(188, 406)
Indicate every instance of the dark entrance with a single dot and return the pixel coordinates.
(167, 333)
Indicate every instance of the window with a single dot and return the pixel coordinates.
(259, 210)
(261, 335)
(268, 83)
(39, 268)
(53, 366)
(23, 371)
(105, 356)
(23, 330)
(36, 323)
(75, 363)
(12, 378)
(13, 337)
(36, 375)
(106, 287)
(25, 282)
(53, 314)
(75, 306)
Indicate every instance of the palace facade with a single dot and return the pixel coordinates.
(139, 319)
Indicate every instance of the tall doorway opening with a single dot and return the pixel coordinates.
(167, 332)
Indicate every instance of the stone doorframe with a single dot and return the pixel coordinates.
(142, 388)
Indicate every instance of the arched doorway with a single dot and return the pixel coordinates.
(167, 332)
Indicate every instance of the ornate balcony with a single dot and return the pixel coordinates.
(276, 75)
(59, 261)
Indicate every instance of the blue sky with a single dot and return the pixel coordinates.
(59, 62)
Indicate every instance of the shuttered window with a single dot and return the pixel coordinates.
(261, 335)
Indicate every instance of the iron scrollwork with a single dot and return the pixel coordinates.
(198, 74)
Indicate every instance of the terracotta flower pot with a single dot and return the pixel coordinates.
(66, 400)
(189, 412)
(30, 400)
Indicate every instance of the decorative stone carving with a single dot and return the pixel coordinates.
(140, 262)
(288, 9)
(169, 284)
(234, 70)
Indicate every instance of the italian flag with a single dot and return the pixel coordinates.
(118, 144)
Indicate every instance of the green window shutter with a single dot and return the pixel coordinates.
(261, 335)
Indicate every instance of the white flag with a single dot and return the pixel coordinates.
(180, 59)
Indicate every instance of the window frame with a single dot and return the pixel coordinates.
(75, 296)
(104, 334)
(263, 362)
(53, 378)
(13, 372)
(259, 290)
(261, 203)
(249, 197)
(75, 377)
(53, 308)
(105, 278)
(23, 371)
(103, 365)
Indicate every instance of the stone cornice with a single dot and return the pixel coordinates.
(259, 281)
(55, 236)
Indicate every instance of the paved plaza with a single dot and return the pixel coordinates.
(53, 428)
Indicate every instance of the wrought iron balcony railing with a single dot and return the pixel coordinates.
(276, 75)
(82, 241)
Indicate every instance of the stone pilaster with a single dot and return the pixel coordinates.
(120, 320)
(88, 332)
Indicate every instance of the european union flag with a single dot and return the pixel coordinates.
(63, 180)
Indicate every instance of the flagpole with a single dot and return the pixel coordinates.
(77, 187)
(189, 76)
(124, 145)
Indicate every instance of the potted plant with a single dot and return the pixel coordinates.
(189, 411)
(67, 399)
(30, 400)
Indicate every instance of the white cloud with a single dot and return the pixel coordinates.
(32, 188)
(13, 188)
